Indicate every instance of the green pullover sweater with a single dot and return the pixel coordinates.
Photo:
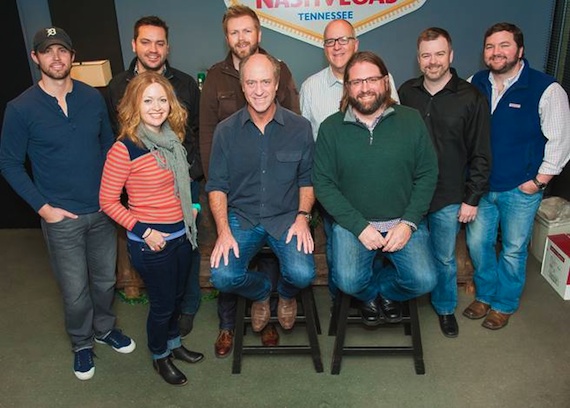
(380, 175)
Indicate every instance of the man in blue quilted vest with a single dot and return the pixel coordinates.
(530, 144)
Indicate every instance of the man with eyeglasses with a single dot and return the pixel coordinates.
(375, 171)
(320, 93)
(320, 97)
(260, 193)
(457, 117)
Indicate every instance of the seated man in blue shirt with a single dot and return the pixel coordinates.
(260, 192)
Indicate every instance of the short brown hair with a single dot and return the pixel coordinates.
(239, 11)
(511, 28)
(433, 33)
(150, 21)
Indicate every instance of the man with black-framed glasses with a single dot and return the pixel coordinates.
(375, 171)
(321, 92)
(320, 97)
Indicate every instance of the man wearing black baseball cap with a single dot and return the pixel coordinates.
(63, 126)
(50, 36)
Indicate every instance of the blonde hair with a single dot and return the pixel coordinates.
(129, 107)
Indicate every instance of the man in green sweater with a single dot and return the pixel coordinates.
(375, 172)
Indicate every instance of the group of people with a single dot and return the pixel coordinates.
(394, 173)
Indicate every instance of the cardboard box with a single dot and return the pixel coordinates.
(541, 230)
(556, 264)
(94, 73)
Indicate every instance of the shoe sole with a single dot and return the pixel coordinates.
(493, 328)
(123, 350)
(83, 376)
(223, 355)
(474, 317)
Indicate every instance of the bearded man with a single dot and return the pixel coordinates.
(530, 125)
(375, 171)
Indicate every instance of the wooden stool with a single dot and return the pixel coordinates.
(306, 314)
(339, 321)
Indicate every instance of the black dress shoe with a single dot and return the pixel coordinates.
(391, 310)
(448, 325)
(369, 312)
(168, 371)
(182, 353)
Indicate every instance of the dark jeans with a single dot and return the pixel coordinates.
(83, 255)
(227, 302)
(164, 274)
(192, 293)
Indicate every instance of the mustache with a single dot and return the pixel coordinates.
(366, 93)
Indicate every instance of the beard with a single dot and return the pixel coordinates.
(509, 64)
(55, 74)
(368, 108)
(241, 52)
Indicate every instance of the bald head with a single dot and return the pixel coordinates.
(340, 44)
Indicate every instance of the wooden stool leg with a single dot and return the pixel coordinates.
(239, 331)
(307, 297)
(341, 323)
(334, 315)
(315, 312)
(416, 337)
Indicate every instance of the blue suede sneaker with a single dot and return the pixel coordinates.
(116, 339)
(83, 366)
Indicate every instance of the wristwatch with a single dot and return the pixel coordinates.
(306, 214)
(539, 184)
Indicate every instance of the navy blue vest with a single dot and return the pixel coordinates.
(517, 141)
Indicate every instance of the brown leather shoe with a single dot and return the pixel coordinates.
(270, 336)
(287, 312)
(260, 314)
(224, 343)
(476, 310)
(496, 320)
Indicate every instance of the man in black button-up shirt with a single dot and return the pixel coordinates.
(457, 117)
(260, 191)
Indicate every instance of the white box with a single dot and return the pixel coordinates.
(541, 230)
(556, 264)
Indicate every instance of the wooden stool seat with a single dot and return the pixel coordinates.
(306, 315)
(341, 317)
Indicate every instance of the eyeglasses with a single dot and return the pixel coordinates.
(355, 83)
(330, 42)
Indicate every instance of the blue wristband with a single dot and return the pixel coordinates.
(197, 206)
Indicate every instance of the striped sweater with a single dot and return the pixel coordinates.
(150, 190)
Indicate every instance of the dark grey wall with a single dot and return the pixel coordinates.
(197, 41)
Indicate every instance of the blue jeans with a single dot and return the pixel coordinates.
(164, 274)
(227, 302)
(500, 282)
(443, 230)
(297, 268)
(192, 293)
(83, 255)
(412, 272)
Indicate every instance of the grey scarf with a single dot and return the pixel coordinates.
(170, 154)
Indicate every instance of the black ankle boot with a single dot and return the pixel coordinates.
(182, 353)
(168, 371)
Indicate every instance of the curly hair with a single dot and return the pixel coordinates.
(129, 107)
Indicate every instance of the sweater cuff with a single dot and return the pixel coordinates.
(139, 229)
